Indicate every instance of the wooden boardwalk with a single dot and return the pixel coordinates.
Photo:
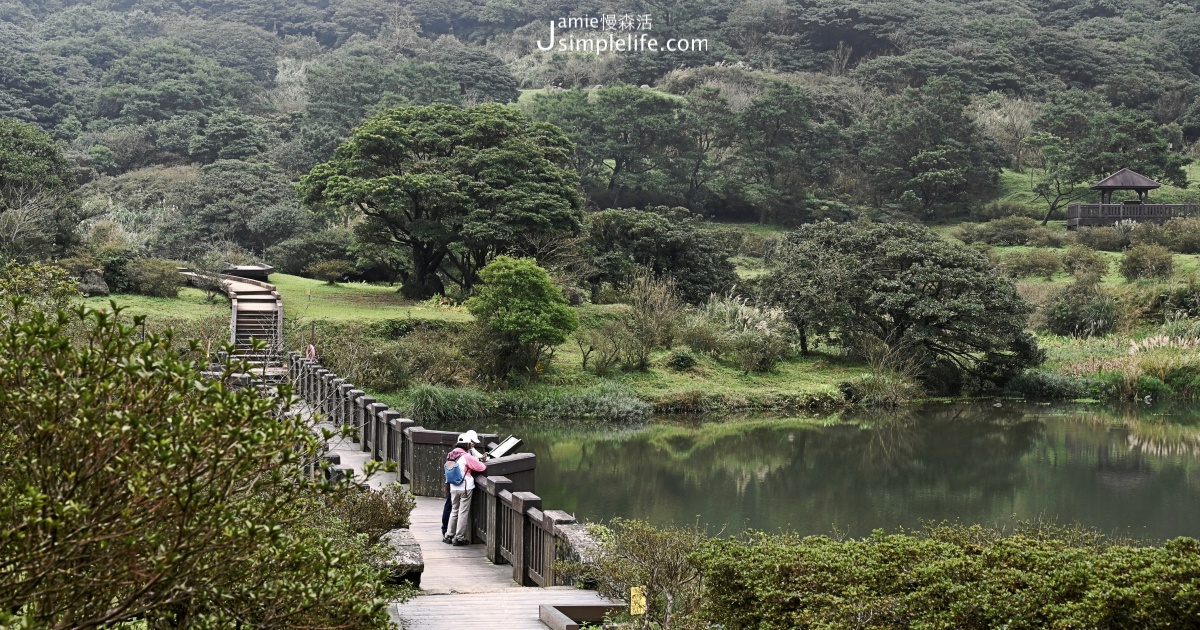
(461, 589)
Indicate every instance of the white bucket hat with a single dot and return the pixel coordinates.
(470, 437)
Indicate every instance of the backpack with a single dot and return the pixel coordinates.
(454, 474)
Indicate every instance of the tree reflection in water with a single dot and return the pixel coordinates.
(1127, 470)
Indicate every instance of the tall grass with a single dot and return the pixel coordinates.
(606, 402)
(437, 405)
(611, 403)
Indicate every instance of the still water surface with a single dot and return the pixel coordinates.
(1132, 471)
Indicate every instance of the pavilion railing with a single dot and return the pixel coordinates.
(506, 516)
(1085, 214)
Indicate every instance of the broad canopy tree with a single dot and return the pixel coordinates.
(38, 208)
(903, 284)
(923, 150)
(452, 186)
(668, 241)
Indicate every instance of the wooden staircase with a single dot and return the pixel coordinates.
(256, 316)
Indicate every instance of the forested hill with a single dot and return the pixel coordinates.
(200, 115)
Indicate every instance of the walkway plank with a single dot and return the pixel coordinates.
(460, 588)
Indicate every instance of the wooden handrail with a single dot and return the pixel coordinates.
(510, 521)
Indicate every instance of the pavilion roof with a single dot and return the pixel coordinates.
(1126, 179)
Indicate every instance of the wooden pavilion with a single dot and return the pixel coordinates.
(1107, 213)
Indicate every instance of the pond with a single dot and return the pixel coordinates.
(1133, 472)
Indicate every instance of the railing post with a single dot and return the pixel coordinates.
(335, 399)
(306, 371)
(341, 410)
(493, 486)
(362, 405)
(387, 437)
(396, 443)
(349, 410)
(318, 402)
(290, 359)
(302, 367)
(551, 519)
(369, 438)
(522, 501)
(327, 388)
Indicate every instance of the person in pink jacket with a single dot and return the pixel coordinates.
(458, 530)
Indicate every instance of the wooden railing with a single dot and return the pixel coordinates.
(506, 515)
(1085, 214)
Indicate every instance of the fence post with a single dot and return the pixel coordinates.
(396, 444)
(334, 404)
(341, 411)
(551, 519)
(327, 388)
(362, 404)
(292, 359)
(388, 437)
(493, 486)
(305, 371)
(370, 438)
(318, 402)
(302, 379)
(522, 501)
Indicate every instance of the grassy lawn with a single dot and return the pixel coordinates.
(302, 299)
(313, 299)
(800, 377)
(191, 304)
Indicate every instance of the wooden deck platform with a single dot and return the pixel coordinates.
(460, 588)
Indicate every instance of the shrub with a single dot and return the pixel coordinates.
(603, 345)
(397, 328)
(331, 271)
(894, 374)
(520, 317)
(153, 277)
(1037, 385)
(759, 337)
(1148, 233)
(653, 315)
(1153, 387)
(1079, 260)
(1182, 235)
(703, 335)
(433, 357)
(1103, 238)
(374, 512)
(1047, 237)
(1147, 261)
(1082, 309)
(680, 360)
(952, 576)
(999, 210)
(1012, 230)
(633, 553)
(169, 516)
(1036, 262)
(759, 350)
(44, 288)
(114, 265)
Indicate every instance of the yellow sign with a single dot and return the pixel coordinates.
(637, 600)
